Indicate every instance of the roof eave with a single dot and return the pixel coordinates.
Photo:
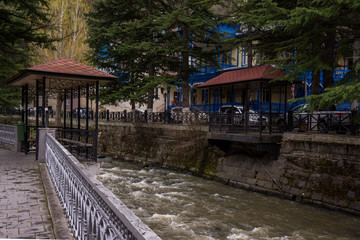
(28, 72)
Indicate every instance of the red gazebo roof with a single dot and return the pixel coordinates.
(264, 72)
(69, 66)
(64, 69)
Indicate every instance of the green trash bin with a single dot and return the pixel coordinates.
(20, 131)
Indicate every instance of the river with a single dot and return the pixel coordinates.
(181, 206)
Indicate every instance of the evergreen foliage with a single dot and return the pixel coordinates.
(21, 22)
(318, 32)
(149, 43)
(121, 38)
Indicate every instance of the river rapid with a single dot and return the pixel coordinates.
(181, 206)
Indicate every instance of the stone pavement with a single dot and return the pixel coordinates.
(23, 204)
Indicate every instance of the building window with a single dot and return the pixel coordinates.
(176, 100)
(244, 56)
(195, 62)
(205, 94)
(194, 96)
(288, 54)
(227, 59)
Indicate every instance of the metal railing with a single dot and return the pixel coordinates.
(155, 117)
(79, 142)
(7, 135)
(337, 122)
(132, 116)
(188, 117)
(92, 210)
(238, 123)
(325, 122)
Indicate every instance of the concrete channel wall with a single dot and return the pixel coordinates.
(93, 211)
(321, 169)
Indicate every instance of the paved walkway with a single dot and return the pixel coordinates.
(23, 204)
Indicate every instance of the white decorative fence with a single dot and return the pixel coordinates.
(7, 136)
(93, 211)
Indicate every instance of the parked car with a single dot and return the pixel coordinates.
(195, 114)
(82, 112)
(32, 111)
(239, 116)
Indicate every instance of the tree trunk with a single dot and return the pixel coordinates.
(150, 100)
(132, 105)
(315, 83)
(185, 71)
(328, 77)
(355, 104)
(61, 30)
(76, 31)
(250, 55)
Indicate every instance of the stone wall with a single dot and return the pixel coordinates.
(317, 169)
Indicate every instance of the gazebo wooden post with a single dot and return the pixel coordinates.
(87, 117)
(71, 107)
(221, 97)
(285, 99)
(270, 110)
(96, 120)
(26, 121)
(65, 97)
(209, 100)
(246, 108)
(78, 117)
(37, 118)
(71, 112)
(261, 107)
(78, 110)
(43, 102)
(232, 108)
(87, 105)
(22, 103)
(280, 90)
(26, 114)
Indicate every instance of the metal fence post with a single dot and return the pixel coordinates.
(290, 121)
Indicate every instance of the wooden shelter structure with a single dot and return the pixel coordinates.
(258, 77)
(69, 79)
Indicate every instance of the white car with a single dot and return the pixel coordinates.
(239, 116)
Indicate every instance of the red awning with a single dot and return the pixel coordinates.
(264, 72)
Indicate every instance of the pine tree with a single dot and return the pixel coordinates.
(320, 32)
(190, 30)
(142, 41)
(21, 22)
(123, 41)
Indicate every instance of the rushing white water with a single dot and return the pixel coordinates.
(180, 206)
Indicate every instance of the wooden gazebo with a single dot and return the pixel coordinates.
(68, 78)
(259, 77)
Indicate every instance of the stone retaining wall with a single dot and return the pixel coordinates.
(318, 169)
